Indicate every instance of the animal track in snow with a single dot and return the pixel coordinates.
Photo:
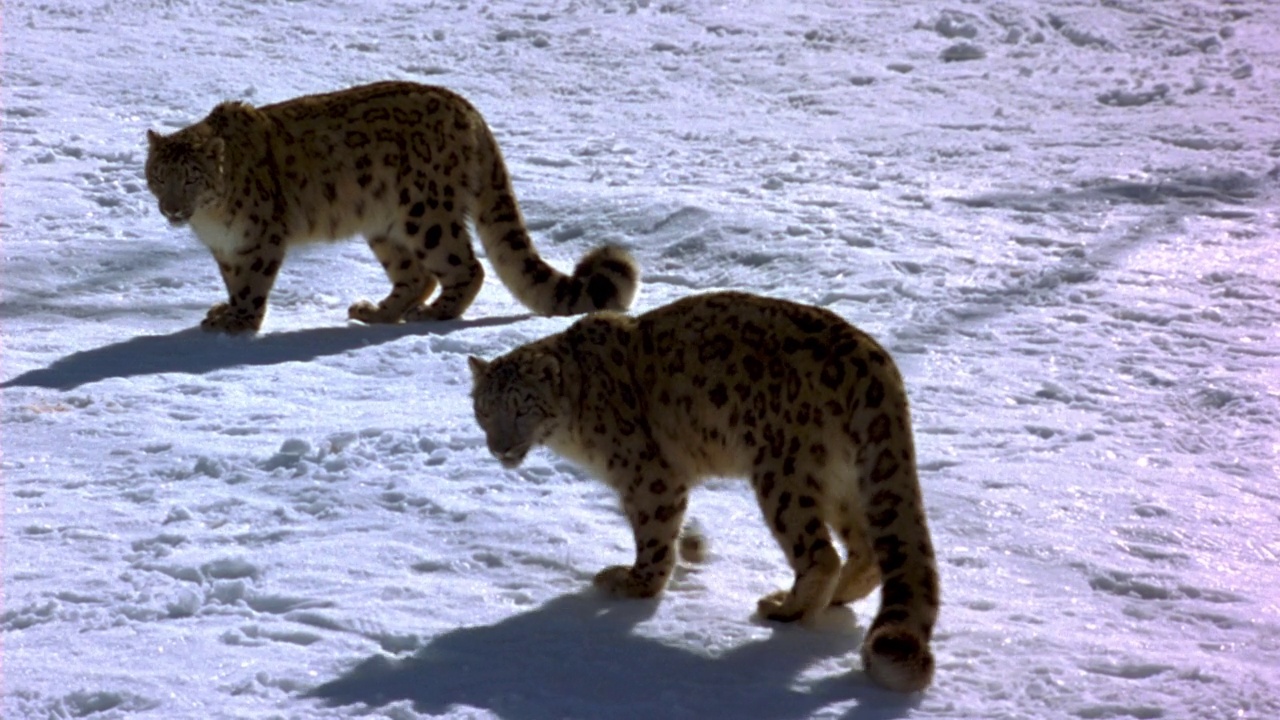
(1156, 587)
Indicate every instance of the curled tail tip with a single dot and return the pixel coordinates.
(611, 275)
(898, 659)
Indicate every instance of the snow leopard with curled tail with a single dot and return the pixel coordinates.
(807, 406)
(408, 166)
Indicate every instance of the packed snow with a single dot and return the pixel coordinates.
(1061, 218)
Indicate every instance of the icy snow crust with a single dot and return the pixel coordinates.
(1060, 217)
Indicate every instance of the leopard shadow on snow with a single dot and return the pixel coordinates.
(577, 657)
(196, 352)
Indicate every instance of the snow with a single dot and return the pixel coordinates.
(1061, 218)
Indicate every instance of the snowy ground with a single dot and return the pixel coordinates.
(1060, 217)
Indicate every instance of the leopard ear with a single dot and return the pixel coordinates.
(478, 367)
(215, 151)
(225, 113)
(548, 369)
(214, 148)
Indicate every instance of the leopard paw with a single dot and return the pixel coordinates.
(368, 312)
(623, 581)
(223, 318)
(432, 313)
(217, 311)
(780, 606)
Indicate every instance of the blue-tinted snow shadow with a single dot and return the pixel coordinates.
(1187, 194)
(1221, 194)
(577, 657)
(196, 352)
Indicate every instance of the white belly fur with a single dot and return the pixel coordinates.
(216, 235)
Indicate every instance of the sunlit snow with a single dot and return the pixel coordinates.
(1060, 217)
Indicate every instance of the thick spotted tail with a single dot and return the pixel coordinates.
(605, 279)
(895, 652)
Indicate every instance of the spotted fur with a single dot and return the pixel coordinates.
(808, 407)
(408, 166)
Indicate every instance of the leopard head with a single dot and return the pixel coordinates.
(517, 402)
(185, 171)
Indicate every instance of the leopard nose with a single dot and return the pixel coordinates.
(510, 458)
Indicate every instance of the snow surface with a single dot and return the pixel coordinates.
(1060, 217)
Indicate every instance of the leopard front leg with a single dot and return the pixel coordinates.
(248, 274)
(655, 504)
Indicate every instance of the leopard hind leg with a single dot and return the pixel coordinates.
(411, 283)
(861, 572)
(791, 499)
(450, 257)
